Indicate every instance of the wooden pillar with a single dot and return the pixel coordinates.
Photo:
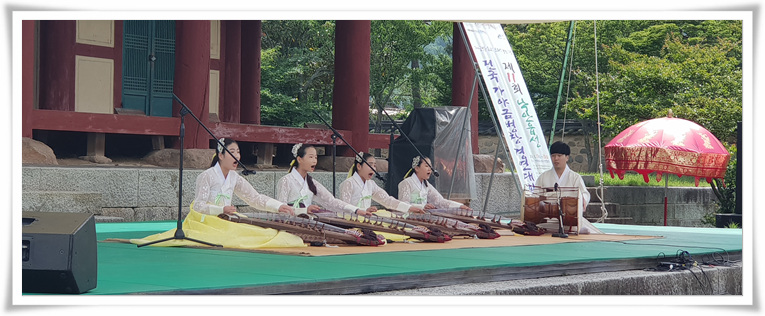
(28, 61)
(350, 100)
(463, 73)
(157, 142)
(96, 144)
(192, 73)
(56, 74)
(266, 154)
(250, 92)
(232, 75)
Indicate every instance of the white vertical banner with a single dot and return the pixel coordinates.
(509, 95)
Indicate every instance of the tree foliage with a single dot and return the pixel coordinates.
(644, 68)
(402, 72)
(298, 67)
(297, 70)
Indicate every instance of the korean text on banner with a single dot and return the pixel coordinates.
(510, 97)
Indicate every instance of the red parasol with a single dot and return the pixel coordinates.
(667, 145)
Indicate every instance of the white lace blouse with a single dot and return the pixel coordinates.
(357, 192)
(214, 191)
(293, 189)
(414, 191)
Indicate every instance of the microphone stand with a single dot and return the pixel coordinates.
(334, 163)
(435, 173)
(337, 135)
(560, 232)
(179, 234)
(246, 171)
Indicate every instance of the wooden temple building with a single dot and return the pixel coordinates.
(111, 77)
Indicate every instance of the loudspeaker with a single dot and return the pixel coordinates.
(59, 252)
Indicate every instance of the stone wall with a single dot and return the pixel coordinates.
(148, 194)
(581, 159)
(145, 194)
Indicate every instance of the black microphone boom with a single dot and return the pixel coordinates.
(337, 134)
(435, 172)
(185, 110)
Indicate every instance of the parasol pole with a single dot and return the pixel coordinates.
(666, 181)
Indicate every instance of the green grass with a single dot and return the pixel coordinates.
(634, 179)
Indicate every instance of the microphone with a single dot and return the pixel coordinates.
(560, 232)
(435, 173)
(248, 172)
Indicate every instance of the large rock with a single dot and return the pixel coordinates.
(169, 157)
(484, 163)
(382, 165)
(36, 153)
(97, 159)
(342, 164)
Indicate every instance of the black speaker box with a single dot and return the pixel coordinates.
(59, 252)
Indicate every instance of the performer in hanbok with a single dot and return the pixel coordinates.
(300, 190)
(215, 186)
(359, 189)
(416, 190)
(565, 177)
(214, 190)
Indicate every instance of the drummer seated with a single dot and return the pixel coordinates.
(563, 176)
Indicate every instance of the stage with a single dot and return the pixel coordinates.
(125, 269)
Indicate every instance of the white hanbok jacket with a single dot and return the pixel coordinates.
(357, 192)
(293, 189)
(414, 191)
(214, 191)
(569, 178)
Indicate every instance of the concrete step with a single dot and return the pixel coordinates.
(108, 219)
(594, 191)
(593, 209)
(61, 201)
(613, 220)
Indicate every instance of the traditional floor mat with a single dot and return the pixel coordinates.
(506, 240)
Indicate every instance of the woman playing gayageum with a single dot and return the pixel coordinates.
(416, 190)
(360, 190)
(300, 190)
(215, 186)
(214, 190)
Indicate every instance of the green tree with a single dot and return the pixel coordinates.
(395, 47)
(644, 68)
(700, 82)
(297, 63)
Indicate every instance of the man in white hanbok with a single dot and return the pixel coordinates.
(562, 175)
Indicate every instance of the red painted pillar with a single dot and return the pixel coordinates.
(56, 73)
(192, 74)
(232, 75)
(350, 100)
(463, 73)
(28, 35)
(250, 92)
